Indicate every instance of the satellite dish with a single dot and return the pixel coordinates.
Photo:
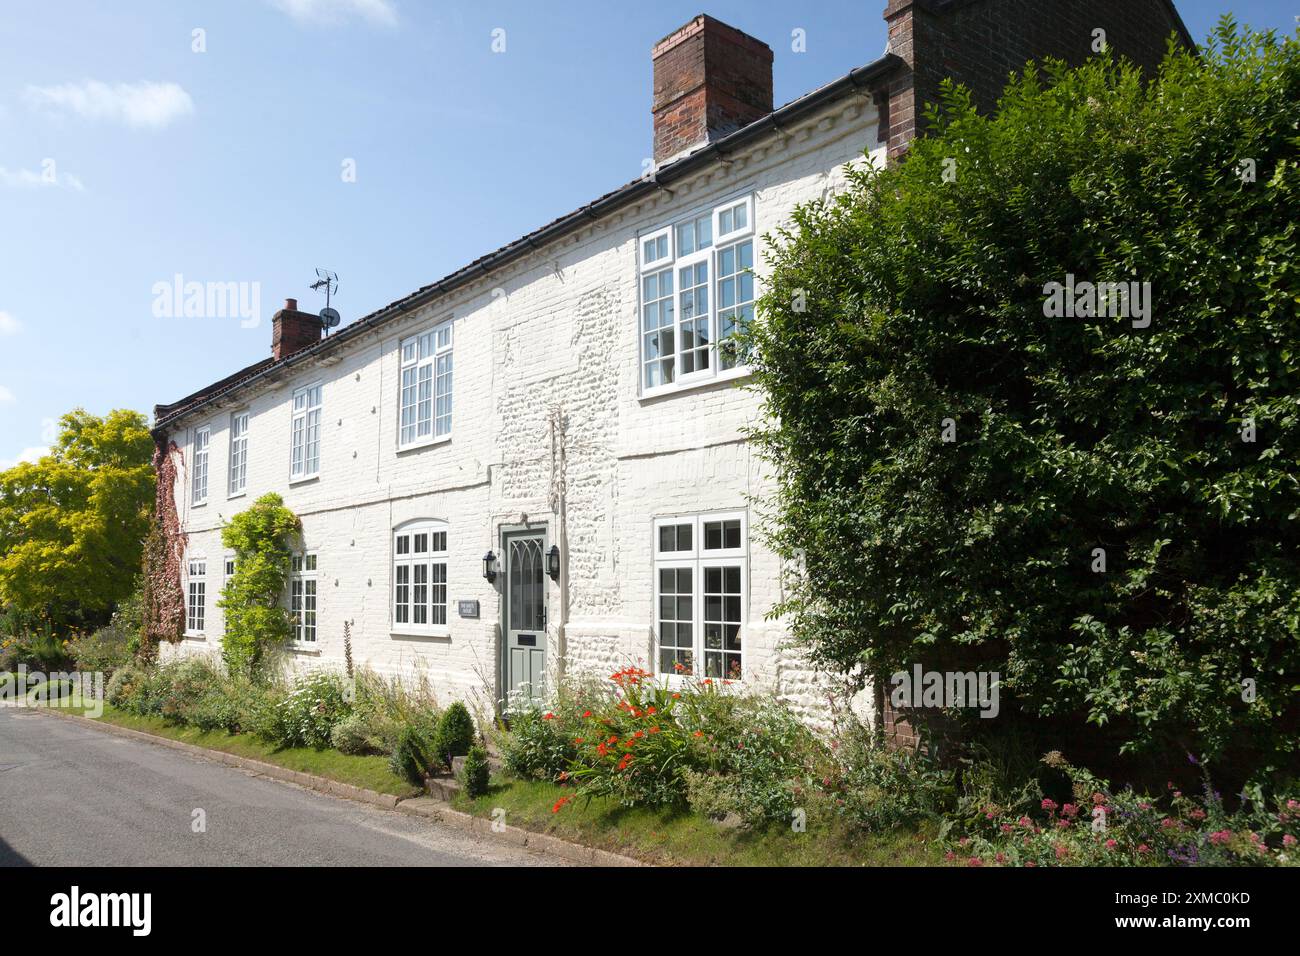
(330, 318)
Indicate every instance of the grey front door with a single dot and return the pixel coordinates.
(525, 646)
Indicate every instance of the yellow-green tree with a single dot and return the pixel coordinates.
(72, 524)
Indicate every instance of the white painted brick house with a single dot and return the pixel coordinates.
(572, 394)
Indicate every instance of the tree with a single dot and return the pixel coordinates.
(72, 524)
(256, 621)
(975, 473)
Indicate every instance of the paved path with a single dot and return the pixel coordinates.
(72, 795)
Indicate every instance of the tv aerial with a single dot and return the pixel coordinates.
(328, 282)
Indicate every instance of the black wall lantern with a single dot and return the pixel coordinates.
(553, 562)
(490, 566)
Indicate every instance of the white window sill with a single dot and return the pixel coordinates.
(237, 494)
(408, 633)
(305, 479)
(194, 636)
(677, 388)
(304, 647)
(426, 443)
(198, 504)
(678, 681)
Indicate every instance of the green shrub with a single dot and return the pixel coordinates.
(123, 685)
(475, 773)
(758, 758)
(37, 647)
(360, 733)
(102, 651)
(455, 733)
(309, 712)
(962, 448)
(536, 748)
(410, 757)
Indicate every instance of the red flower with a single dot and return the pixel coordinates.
(548, 716)
(559, 803)
(586, 713)
(654, 729)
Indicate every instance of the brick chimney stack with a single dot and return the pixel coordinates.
(293, 331)
(709, 80)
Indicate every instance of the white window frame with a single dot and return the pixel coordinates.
(700, 559)
(721, 238)
(430, 351)
(304, 574)
(676, 262)
(413, 569)
(237, 485)
(202, 458)
(303, 467)
(196, 595)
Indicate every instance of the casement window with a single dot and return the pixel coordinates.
(202, 441)
(196, 596)
(302, 596)
(229, 564)
(305, 432)
(238, 453)
(701, 588)
(697, 292)
(425, 390)
(420, 578)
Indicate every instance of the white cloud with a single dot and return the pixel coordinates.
(9, 325)
(335, 11)
(30, 179)
(6, 396)
(27, 454)
(143, 105)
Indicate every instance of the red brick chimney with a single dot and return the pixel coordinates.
(292, 331)
(710, 79)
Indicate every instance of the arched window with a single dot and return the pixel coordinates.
(420, 577)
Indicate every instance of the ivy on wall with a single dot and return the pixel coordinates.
(164, 595)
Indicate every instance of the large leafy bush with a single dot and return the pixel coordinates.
(911, 309)
(256, 621)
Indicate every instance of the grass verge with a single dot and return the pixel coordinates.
(684, 839)
(370, 772)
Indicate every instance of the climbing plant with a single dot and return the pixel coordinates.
(164, 546)
(256, 622)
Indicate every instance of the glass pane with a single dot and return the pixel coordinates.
(526, 584)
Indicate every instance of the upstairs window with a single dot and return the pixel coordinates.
(697, 291)
(420, 578)
(425, 397)
(305, 433)
(196, 604)
(202, 440)
(302, 596)
(238, 453)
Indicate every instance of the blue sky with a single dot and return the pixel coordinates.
(127, 158)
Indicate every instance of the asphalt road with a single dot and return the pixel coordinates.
(76, 796)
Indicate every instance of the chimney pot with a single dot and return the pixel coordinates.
(291, 305)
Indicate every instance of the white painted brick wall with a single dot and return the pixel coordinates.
(558, 331)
